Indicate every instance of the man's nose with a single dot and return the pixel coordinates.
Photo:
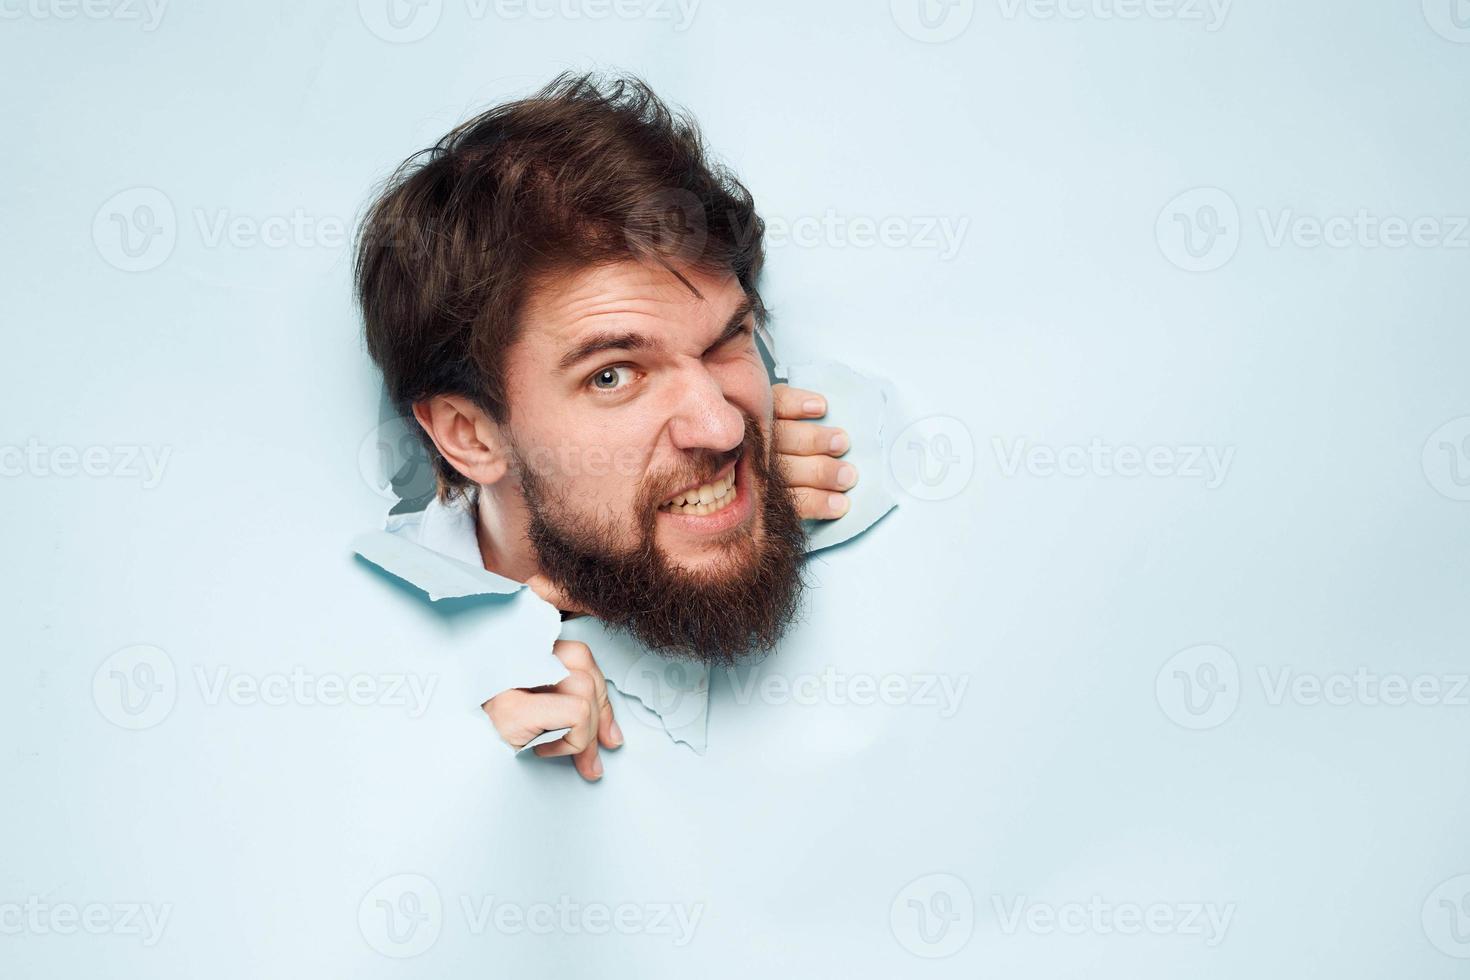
(703, 417)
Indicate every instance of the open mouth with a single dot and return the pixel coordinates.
(705, 499)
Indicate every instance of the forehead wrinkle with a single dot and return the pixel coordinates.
(576, 313)
(620, 289)
(653, 329)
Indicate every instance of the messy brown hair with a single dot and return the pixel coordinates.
(584, 172)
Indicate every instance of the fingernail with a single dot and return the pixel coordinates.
(616, 732)
(838, 504)
(596, 768)
(846, 475)
(814, 406)
(839, 443)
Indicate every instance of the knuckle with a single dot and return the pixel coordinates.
(572, 651)
(579, 683)
(504, 703)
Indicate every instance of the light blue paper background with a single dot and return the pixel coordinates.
(818, 836)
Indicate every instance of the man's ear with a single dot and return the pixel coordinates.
(465, 436)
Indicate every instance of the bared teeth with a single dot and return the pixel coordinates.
(705, 499)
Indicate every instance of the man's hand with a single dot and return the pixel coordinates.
(809, 453)
(579, 702)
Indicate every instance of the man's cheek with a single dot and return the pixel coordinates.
(631, 463)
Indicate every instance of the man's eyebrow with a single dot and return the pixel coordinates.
(736, 323)
(626, 340)
(599, 342)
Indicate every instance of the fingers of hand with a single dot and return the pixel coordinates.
(819, 505)
(819, 473)
(577, 656)
(579, 710)
(798, 403)
(520, 715)
(810, 439)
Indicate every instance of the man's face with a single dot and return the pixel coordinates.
(641, 421)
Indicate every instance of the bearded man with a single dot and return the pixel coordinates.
(562, 292)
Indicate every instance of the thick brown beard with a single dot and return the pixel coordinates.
(713, 618)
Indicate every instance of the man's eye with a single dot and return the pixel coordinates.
(611, 378)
